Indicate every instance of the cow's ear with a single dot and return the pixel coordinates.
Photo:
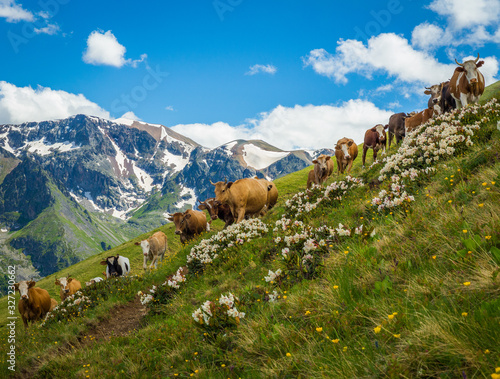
(228, 185)
(137, 243)
(386, 127)
(69, 280)
(31, 283)
(479, 64)
(315, 161)
(57, 282)
(187, 216)
(460, 69)
(373, 129)
(350, 143)
(202, 207)
(427, 92)
(327, 158)
(170, 218)
(16, 286)
(104, 263)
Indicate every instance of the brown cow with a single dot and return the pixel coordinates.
(272, 194)
(34, 303)
(467, 82)
(323, 168)
(217, 210)
(375, 138)
(346, 152)
(244, 197)
(68, 285)
(189, 224)
(310, 178)
(153, 248)
(411, 123)
(435, 102)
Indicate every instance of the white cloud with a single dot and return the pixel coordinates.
(466, 14)
(309, 126)
(14, 12)
(169, 108)
(387, 53)
(130, 116)
(429, 36)
(21, 104)
(259, 68)
(49, 29)
(104, 49)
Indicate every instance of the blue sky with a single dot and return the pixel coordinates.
(294, 73)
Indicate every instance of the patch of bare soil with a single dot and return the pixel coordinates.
(122, 320)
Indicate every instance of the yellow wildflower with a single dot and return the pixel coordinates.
(288, 354)
(397, 335)
(464, 314)
(390, 317)
(335, 340)
(308, 313)
(377, 329)
(466, 283)
(319, 330)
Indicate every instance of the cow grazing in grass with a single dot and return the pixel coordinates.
(245, 197)
(346, 152)
(216, 210)
(153, 248)
(34, 303)
(116, 266)
(272, 194)
(467, 83)
(411, 123)
(68, 285)
(94, 280)
(189, 224)
(323, 168)
(375, 138)
(397, 127)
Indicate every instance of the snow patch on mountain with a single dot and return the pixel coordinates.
(43, 148)
(259, 159)
(187, 196)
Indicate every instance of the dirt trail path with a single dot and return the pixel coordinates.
(122, 320)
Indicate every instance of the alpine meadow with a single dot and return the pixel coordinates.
(390, 271)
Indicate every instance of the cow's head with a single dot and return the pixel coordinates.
(222, 191)
(470, 68)
(435, 91)
(144, 244)
(114, 268)
(211, 206)
(380, 130)
(344, 147)
(63, 283)
(23, 287)
(322, 162)
(179, 219)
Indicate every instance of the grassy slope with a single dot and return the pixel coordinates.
(413, 266)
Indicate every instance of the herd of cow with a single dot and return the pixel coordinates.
(253, 197)
(465, 87)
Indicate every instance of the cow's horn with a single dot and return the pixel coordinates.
(212, 183)
(225, 180)
(427, 87)
(477, 59)
(460, 64)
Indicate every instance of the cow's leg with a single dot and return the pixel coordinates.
(391, 135)
(463, 99)
(154, 261)
(349, 166)
(365, 149)
(457, 102)
(25, 321)
(374, 155)
(240, 214)
(144, 265)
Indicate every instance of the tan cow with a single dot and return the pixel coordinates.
(189, 224)
(323, 168)
(68, 285)
(34, 303)
(272, 193)
(411, 123)
(153, 248)
(244, 197)
(346, 152)
(310, 178)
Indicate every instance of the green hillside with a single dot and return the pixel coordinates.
(392, 272)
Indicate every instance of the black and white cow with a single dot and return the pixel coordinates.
(116, 266)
